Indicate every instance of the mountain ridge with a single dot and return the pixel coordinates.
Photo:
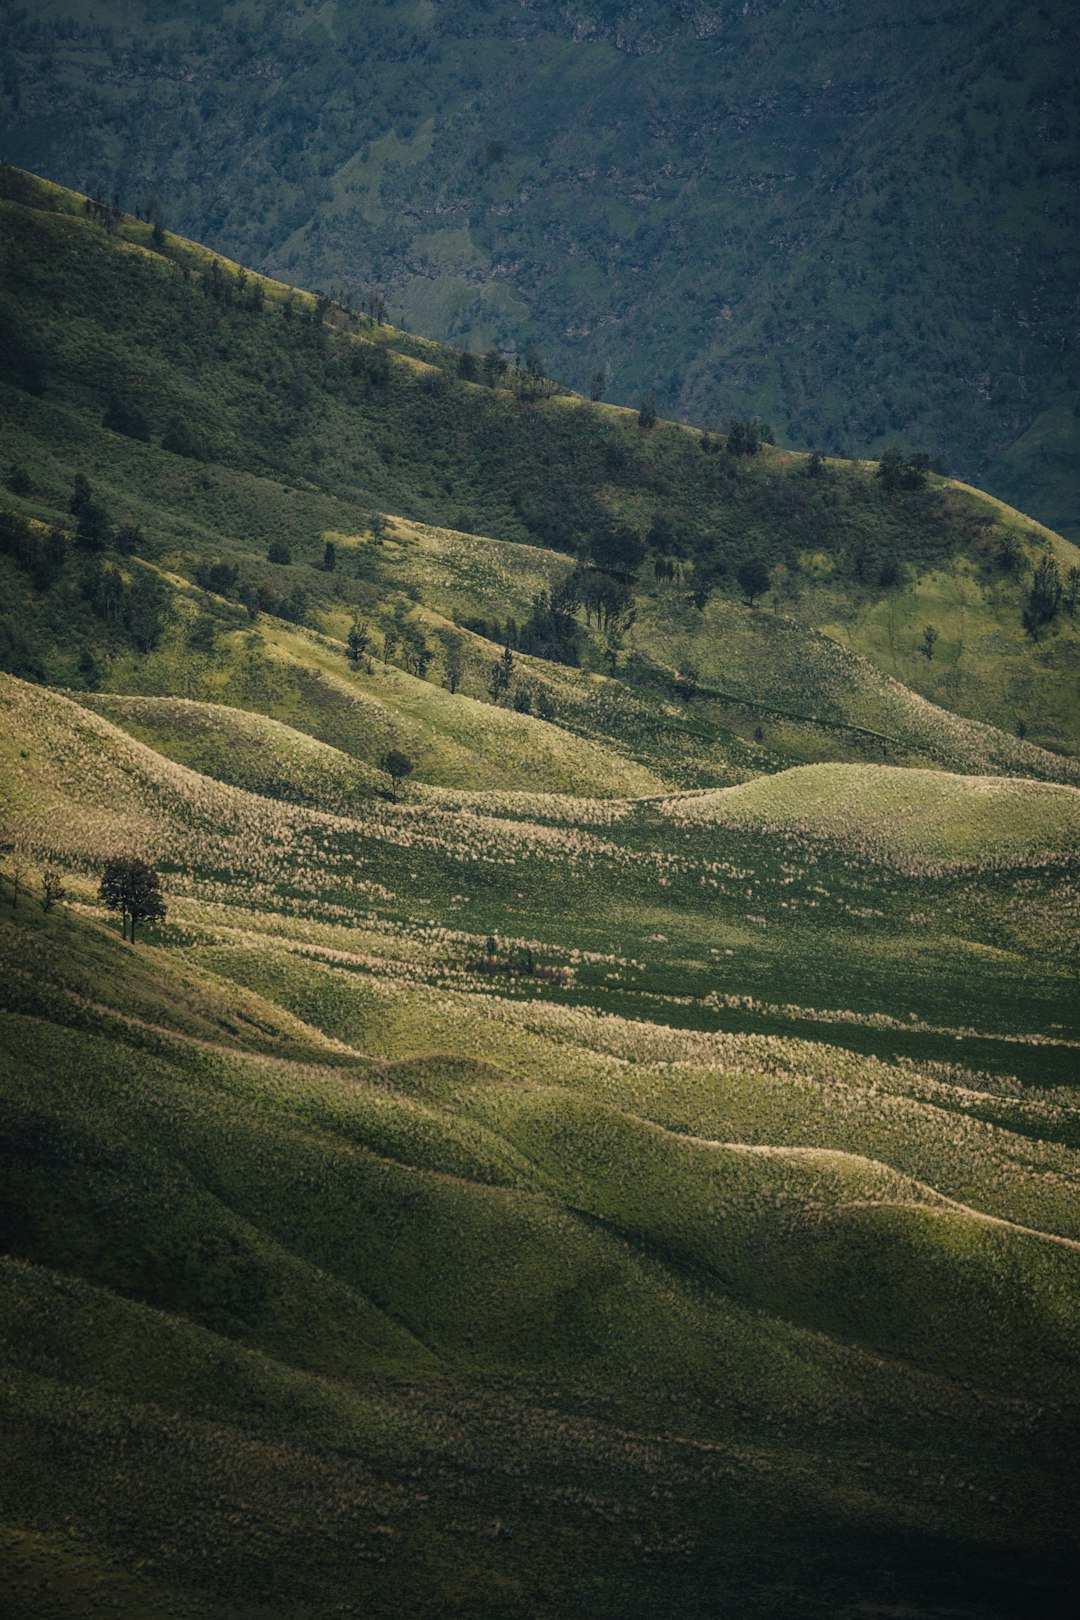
(853, 224)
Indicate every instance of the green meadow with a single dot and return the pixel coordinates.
(626, 1164)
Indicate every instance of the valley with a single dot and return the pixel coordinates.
(595, 1129)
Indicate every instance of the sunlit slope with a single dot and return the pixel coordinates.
(767, 668)
(892, 903)
(912, 818)
(277, 1274)
(313, 431)
(326, 1230)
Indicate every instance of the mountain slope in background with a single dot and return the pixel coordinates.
(855, 221)
(230, 431)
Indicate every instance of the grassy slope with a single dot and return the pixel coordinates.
(356, 1268)
(788, 273)
(432, 1312)
(299, 450)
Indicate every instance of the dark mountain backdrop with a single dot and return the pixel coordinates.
(857, 220)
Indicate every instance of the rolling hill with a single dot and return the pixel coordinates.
(628, 1163)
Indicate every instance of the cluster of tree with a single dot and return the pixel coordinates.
(404, 642)
(220, 577)
(1045, 595)
(180, 436)
(133, 602)
(617, 548)
(897, 471)
(108, 214)
(746, 435)
(371, 363)
(646, 416)
(519, 961)
(523, 697)
(243, 290)
(133, 888)
(96, 206)
(259, 596)
(552, 630)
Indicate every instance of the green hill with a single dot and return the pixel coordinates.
(280, 1275)
(852, 222)
(627, 1162)
(288, 434)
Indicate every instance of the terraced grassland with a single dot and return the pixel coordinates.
(352, 1273)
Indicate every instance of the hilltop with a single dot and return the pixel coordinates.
(855, 222)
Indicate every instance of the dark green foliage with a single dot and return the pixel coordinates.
(929, 640)
(397, 767)
(532, 363)
(617, 548)
(551, 631)
(897, 471)
(19, 481)
(182, 439)
(219, 576)
(647, 412)
(1009, 552)
(753, 577)
(80, 494)
(121, 416)
(93, 531)
(501, 675)
(746, 435)
(494, 367)
(133, 888)
(358, 641)
(1044, 597)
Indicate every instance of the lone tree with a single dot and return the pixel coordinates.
(397, 767)
(52, 889)
(453, 662)
(131, 887)
(929, 637)
(15, 848)
(357, 644)
(501, 675)
(753, 577)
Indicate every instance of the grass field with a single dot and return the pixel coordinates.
(630, 1170)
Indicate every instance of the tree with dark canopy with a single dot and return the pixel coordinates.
(132, 888)
(753, 577)
(397, 767)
